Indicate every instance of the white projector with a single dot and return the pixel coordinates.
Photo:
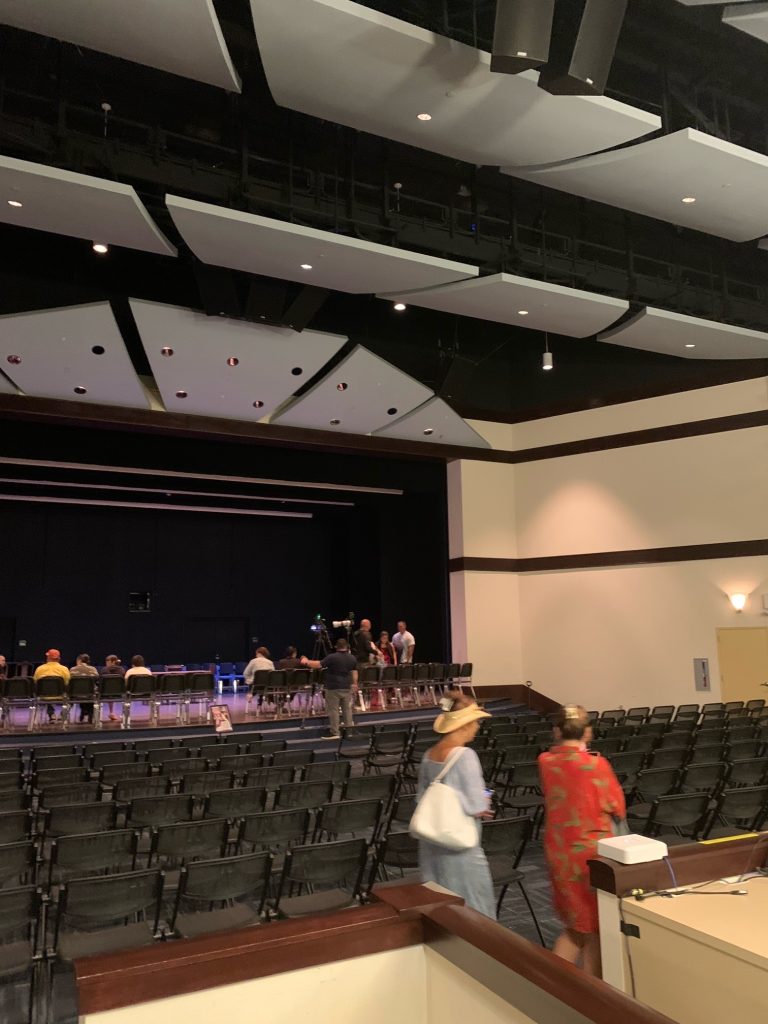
(631, 849)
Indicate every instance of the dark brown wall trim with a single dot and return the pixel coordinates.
(520, 694)
(149, 421)
(603, 559)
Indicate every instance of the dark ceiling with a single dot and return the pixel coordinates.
(169, 134)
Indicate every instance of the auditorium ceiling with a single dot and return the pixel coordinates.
(333, 216)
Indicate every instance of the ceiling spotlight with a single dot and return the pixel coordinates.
(167, 352)
(100, 248)
(258, 404)
(14, 360)
(306, 266)
(334, 423)
(342, 386)
(15, 202)
(522, 312)
(181, 394)
(400, 307)
(424, 117)
(233, 361)
(690, 344)
(428, 431)
(80, 390)
(688, 199)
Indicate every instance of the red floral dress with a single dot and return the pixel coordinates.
(581, 794)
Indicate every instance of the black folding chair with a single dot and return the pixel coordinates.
(685, 813)
(348, 818)
(304, 794)
(504, 841)
(219, 895)
(744, 809)
(235, 803)
(18, 863)
(99, 853)
(331, 874)
(108, 913)
(70, 819)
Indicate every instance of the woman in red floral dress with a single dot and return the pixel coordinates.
(581, 796)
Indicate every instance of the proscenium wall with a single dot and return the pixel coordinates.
(608, 635)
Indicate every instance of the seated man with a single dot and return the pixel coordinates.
(52, 667)
(83, 669)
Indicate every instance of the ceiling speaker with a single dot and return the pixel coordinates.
(583, 44)
(521, 35)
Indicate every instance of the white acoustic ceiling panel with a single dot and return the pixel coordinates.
(728, 183)
(260, 245)
(434, 422)
(537, 305)
(65, 203)
(343, 62)
(52, 352)
(360, 395)
(222, 367)
(674, 334)
(749, 18)
(180, 36)
(6, 388)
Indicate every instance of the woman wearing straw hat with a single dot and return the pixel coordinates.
(464, 872)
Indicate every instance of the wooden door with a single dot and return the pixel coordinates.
(743, 658)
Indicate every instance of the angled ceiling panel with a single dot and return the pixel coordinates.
(536, 305)
(56, 352)
(180, 36)
(728, 183)
(749, 18)
(374, 394)
(80, 205)
(673, 334)
(260, 245)
(346, 63)
(434, 422)
(6, 387)
(224, 366)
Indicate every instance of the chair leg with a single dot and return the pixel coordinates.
(500, 900)
(533, 914)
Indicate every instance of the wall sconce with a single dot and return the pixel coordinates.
(738, 601)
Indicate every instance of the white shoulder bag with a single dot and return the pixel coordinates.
(439, 816)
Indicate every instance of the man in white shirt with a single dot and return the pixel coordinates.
(138, 668)
(261, 661)
(404, 643)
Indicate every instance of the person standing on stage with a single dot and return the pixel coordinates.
(404, 643)
(363, 646)
(340, 683)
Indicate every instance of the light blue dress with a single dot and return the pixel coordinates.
(464, 872)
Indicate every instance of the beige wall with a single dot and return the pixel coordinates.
(611, 636)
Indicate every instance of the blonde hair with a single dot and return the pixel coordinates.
(572, 721)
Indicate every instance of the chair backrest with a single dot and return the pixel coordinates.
(18, 688)
(507, 837)
(321, 865)
(14, 825)
(189, 840)
(347, 816)
(684, 811)
(745, 806)
(399, 850)
(270, 779)
(99, 852)
(653, 782)
(704, 777)
(58, 776)
(111, 774)
(111, 687)
(159, 754)
(332, 771)
(69, 819)
(109, 899)
(83, 688)
(292, 757)
(17, 862)
(402, 811)
(113, 757)
(261, 746)
(240, 763)
(10, 781)
(202, 783)
(214, 881)
(141, 685)
(304, 794)
(60, 761)
(201, 683)
(131, 789)
(275, 829)
(70, 793)
(235, 803)
(369, 787)
(751, 771)
(160, 810)
(19, 913)
(404, 673)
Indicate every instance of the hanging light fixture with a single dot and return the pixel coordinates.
(547, 360)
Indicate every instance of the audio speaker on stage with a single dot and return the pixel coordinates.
(583, 44)
(521, 35)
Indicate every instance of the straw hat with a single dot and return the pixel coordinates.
(450, 721)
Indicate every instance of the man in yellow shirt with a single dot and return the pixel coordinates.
(52, 667)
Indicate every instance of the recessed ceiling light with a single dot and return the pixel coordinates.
(297, 371)
(334, 423)
(306, 266)
(100, 248)
(424, 117)
(688, 199)
(167, 352)
(342, 387)
(98, 350)
(15, 202)
(14, 360)
(522, 312)
(233, 361)
(181, 394)
(80, 390)
(400, 307)
(392, 411)
(690, 344)
(429, 430)
(258, 404)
